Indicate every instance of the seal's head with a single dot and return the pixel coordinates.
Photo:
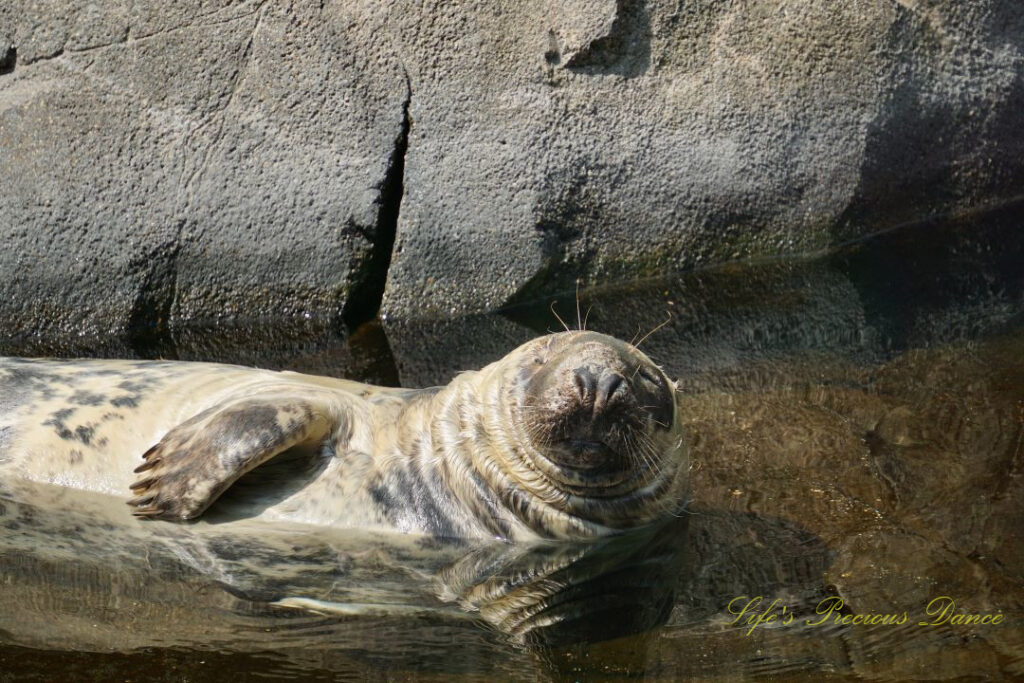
(596, 441)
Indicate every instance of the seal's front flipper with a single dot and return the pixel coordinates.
(199, 459)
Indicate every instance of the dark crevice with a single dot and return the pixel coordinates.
(8, 58)
(148, 330)
(364, 299)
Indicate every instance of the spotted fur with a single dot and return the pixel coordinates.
(572, 435)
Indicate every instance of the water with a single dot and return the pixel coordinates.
(856, 426)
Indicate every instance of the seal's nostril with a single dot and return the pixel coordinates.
(610, 385)
(585, 384)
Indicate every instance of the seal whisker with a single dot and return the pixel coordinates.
(539, 435)
(646, 451)
(579, 323)
(559, 317)
(643, 338)
(649, 459)
(635, 335)
(651, 417)
(586, 316)
(636, 457)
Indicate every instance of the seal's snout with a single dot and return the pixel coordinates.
(599, 391)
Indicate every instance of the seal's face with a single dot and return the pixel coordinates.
(601, 427)
(595, 403)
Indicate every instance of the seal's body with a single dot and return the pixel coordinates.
(571, 435)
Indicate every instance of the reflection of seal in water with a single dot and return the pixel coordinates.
(571, 435)
(85, 590)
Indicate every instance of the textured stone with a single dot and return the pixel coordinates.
(171, 164)
(173, 167)
(621, 138)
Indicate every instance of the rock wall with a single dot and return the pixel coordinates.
(611, 138)
(170, 164)
(173, 165)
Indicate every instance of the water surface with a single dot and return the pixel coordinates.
(856, 425)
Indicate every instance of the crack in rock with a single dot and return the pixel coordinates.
(364, 299)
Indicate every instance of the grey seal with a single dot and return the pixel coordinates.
(570, 436)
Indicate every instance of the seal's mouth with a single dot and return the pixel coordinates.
(591, 450)
(591, 455)
(586, 464)
(604, 464)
